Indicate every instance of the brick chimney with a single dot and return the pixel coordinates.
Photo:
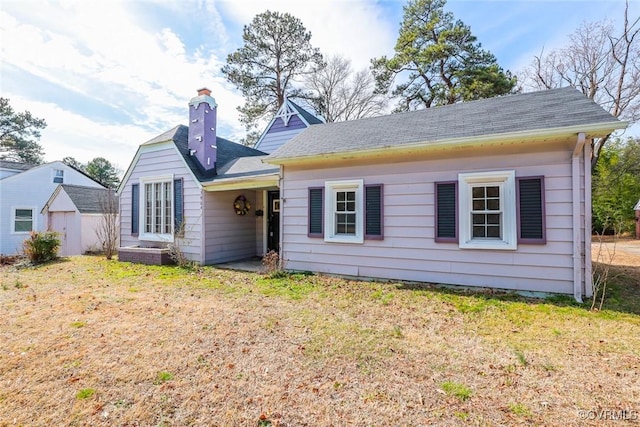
(202, 131)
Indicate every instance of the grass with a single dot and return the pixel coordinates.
(85, 393)
(163, 376)
(201, 346)
(460, 391)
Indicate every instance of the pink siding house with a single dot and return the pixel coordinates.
(490, 193)
(216, 199)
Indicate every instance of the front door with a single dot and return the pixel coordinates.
(273, 221)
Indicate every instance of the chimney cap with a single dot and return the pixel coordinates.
(204, 91)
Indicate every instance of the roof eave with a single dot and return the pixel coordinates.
(592, 131)
(243, 183)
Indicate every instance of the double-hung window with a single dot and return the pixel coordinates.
(344, 211)
(58, 176)
(487, 210)
(23, 220)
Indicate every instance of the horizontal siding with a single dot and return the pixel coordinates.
(260, 204)
(157, 163)
(409, 252)
(294, 123)
(228, 237)
(272, 141)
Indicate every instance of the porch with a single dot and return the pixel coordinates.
(252, 265)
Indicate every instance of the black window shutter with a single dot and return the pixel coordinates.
(316, 212)
(446, 212)
(531, 211)
(135, 207)
(373, 215)
(178, 205)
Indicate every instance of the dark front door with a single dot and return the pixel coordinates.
(273, 221)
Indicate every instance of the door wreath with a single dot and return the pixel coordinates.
(241, 205)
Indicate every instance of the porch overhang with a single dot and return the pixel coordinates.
(244, 183)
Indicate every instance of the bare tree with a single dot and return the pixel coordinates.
(108, 229)
(602, 63)
(339, 94)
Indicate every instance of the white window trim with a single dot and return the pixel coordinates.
(330, 188)
(506, 180)
(34, 219)
(154, 237)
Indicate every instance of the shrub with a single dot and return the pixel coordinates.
(41, 246)
(271, 262)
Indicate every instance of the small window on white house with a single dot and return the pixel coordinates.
(58, 176)
(344, 212)
(23, 220)
(487, 210)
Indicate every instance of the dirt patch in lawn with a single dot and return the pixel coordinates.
(91, 342)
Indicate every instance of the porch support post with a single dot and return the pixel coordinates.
(575, 192)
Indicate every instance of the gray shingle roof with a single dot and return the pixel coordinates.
(91, 199)
(246, 166)
(555, 108)
(232, 157)
(310, 118)
(9, 164)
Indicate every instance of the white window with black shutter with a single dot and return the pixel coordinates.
(346, 212)
(490, 210)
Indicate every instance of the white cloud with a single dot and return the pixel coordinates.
(356, 29)
(136, 63)
(91, 138)
(107, 53)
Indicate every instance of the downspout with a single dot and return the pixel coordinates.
(575, 192)
(281, 216)
(588, 274)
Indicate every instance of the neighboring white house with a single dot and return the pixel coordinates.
(76, 212)
(24, 190)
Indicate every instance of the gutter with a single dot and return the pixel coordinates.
(467, 141)
(575, 193)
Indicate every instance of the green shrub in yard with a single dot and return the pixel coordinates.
(41, 246)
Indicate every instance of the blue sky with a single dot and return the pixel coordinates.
(109, 75)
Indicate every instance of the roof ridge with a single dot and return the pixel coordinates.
(461, 103)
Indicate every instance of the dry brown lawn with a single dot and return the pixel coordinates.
(90, 342)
